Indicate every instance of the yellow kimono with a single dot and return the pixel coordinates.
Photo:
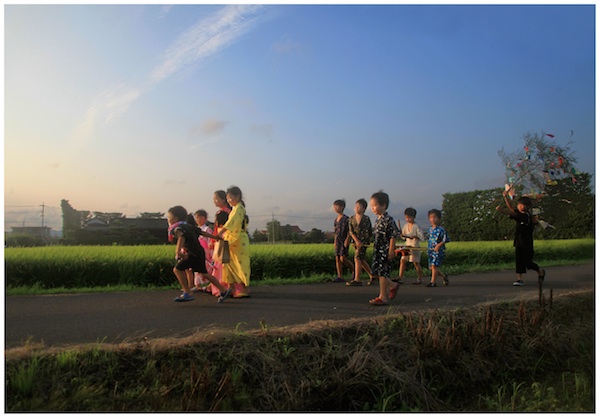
(238, 268)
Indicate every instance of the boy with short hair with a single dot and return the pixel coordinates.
(436, 247)
(523, 242)
(189, 254)
(360, 231)
(413, 234)
(341, 241)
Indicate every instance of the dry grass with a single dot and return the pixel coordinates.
(421, 361)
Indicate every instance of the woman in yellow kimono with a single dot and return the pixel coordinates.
(234, 231)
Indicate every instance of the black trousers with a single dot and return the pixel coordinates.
(524, 260)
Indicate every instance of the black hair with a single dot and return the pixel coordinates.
(178, 212)
(412, 212)
(236, 191)
(435, 212)
(382, 198)
(341, 203)
(190, 219)
(201, 212)
(362, 202)
(223, 195)
(221, 218)
(526, 201)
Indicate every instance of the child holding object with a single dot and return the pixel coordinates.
(523, 242)
(383, 249)
(237, 271)
(413, 234)
(360, 231)
(341, 240)
(436, 248)
(189, 254)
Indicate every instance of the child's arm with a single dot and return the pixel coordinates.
(206, 234)
(180, 243)
(509, 209)
(355, 238)
(392, 251)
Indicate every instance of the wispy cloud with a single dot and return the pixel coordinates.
(286, 45)
(207, 37)
(164, 11)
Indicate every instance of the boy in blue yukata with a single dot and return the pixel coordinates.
(436, 248)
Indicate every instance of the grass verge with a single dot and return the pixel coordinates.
(519, 356)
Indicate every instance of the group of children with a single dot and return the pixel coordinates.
(358, 229)
(196, 270)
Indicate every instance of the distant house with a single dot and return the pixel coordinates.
(43, 232)
(295, 229)
(155, 227)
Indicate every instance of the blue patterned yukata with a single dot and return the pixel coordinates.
(436, 235)
(341, 229)
(385, 229)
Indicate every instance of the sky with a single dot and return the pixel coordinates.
(137, 108)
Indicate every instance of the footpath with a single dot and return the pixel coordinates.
(60, 320)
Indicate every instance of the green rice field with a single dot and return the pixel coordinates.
(91, 266)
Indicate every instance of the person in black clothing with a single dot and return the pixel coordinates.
(523, 237)
(189, 254)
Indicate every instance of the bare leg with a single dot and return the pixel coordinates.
(338, 266)
(402, 267)
(367, 268)
(385, 285)
(182, 279)
(190, 278)
(357, 269)
(419, 271)
(348, 264)
(213, 280)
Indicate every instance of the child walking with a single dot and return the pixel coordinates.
(201, 219)
(413, 234)
(220, 201)
(523, 242)
(436, 247)
(237, 271)
(360, 231)
(189, 254)
(384, 247)
(341, 241)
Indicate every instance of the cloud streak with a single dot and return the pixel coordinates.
(207, 37)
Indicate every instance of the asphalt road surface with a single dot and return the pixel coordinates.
(60, 320)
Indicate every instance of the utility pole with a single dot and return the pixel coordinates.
(273, 226)
(43, 209)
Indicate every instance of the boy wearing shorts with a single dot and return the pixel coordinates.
(413, 234)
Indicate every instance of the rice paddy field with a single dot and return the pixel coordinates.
(516, 356)
(143, 266)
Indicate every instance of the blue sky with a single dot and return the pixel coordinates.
(139, 108)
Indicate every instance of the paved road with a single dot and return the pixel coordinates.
(118, 317)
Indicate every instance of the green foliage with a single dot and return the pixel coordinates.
(495, 358)
(472, 216)
(152, 265)
(568, 205)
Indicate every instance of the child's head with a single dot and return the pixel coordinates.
(435, 217)
(176, 214)
(360, 206)
(524, 204)
(380, 202)
(200, 216)
(220, 198)
(410, 214)
(339, 206)
(234, 196)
